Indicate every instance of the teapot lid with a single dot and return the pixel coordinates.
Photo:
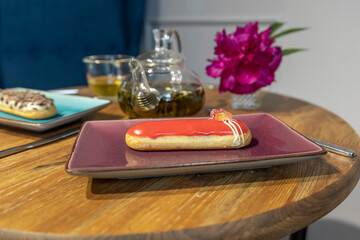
(163, 52)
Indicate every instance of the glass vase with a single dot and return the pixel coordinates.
(250, 101)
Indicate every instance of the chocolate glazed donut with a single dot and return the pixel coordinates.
(27, 104)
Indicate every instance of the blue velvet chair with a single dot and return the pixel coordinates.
(42, 42)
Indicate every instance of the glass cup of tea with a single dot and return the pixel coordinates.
(104, 74)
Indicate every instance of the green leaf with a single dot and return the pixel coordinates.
(288, 31)
(292, 50)
(275, 26)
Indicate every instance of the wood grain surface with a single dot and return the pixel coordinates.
(38, 200)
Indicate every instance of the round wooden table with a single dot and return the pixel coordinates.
(39, 200)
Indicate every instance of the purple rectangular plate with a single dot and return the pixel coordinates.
(100, 151)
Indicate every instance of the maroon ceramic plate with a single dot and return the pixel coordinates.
(100, 151)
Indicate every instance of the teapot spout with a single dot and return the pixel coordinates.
(144, 100)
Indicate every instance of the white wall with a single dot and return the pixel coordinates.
(327, 74)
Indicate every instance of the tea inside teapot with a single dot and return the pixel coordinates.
(180, 90)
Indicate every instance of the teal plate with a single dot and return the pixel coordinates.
(70, 108)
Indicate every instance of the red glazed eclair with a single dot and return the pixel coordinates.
(218, 132)
(27, 104)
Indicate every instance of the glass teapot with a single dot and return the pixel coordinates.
(163, 75)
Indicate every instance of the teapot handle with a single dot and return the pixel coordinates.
(178, 39)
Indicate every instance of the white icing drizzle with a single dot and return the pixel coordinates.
(231, 124)
(35, 104)
(26, 107)
(242, 133)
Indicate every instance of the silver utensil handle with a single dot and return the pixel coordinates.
(24, 147)
(65, 91)
(13, 150)
(335, 148)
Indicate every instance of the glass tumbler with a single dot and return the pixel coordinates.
(105, 73)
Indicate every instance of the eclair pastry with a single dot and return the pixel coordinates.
(27, 104)
(218, 132)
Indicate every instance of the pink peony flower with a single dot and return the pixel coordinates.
(245, 59)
